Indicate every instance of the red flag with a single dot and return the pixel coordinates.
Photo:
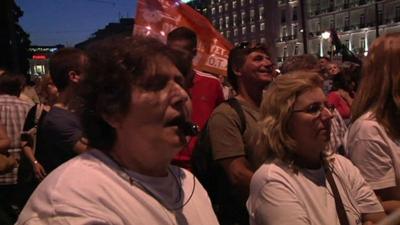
(157, 18)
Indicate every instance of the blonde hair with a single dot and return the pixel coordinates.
(276, 110)
(379, 91)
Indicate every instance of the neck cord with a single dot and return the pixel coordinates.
(145, 189)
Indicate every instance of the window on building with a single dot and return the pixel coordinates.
(261, 12)
(243, 30)
(234, 20)
(221, 23)
(347, 23)
(252, 15)
(220, 9)
(296, 50)
(234, 4)
(214, 23)
(205, 11)
(262, 26)
(235, 32)
(397, 13)
(284, 32)
(319, 27)
(362, 44)
(285, 52)
(242, 2)
(253, 28)
(226, 6)
(251, 1)
(332, 23)
(227, 22)
(294, 15)
(262, 40)
(212, 11)
(362, 20)
(346, 4)
(283, 16)
(380, 16)
(294, 31)
(228, 34)
(243, 15)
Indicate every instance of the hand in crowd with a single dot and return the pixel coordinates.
(40, 172)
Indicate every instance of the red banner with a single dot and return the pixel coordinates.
(158, 17)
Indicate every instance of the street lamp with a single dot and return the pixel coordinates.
(324, 36)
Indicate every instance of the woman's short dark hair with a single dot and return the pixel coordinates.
(116, 65)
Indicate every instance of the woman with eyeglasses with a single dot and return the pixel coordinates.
(303, 181)
(373, 141)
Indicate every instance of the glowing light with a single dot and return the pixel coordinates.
(326, 35)
(162, 33)
(148, 27)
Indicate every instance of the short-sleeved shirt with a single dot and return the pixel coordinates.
(374, 152)
(225, 136)
(13, 112)
(278, 195)
(92, 189)
(57, 136)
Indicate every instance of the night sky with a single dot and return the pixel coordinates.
(68, 22)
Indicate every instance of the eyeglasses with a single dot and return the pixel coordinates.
(315, 109)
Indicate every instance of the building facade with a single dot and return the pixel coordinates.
(279, 22)
(243, 20)
(356, 23)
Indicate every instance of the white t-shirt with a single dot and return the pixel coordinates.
(280, 196)
(375, 154)
(92, 189)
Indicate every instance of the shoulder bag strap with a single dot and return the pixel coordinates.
(39, 110)
(338, 201)
(233, 102)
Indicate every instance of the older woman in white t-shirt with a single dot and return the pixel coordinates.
(301, 179)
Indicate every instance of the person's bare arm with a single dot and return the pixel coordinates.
(372, 218)
(81, 145)
(40, 172)
(390, 198)
(4, 139)
(239, 172)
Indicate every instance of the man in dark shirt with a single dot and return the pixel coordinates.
(60, 133)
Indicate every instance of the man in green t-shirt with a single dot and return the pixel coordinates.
(250, 70)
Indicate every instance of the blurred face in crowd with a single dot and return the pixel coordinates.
(52, 89)
(156, 106)
(323, 63)
(257, 69)
(183, 45)
(333, 69)
(310, 124)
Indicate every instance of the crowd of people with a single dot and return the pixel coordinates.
(116, 131)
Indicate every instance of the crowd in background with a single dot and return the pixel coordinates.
(313, 141)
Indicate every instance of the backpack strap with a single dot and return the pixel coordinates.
(234, 103)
